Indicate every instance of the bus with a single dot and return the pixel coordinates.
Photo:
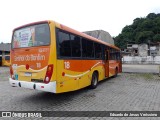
(5, 60)
(52, 57)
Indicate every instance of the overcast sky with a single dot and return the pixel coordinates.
(82, 15)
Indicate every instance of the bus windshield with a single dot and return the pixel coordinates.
(36, 35)
(7, 57)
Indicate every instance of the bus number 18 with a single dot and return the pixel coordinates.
(38, 65)
(67, 65)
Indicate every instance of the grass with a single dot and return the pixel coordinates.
(146, 76)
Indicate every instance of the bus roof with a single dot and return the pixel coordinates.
(33, 23)
(63, 27)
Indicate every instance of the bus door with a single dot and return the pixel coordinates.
(106, 63)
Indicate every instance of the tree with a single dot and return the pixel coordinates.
(140, 31)
(120, 41)
(151, 16)
(144, 36)
(156, 38)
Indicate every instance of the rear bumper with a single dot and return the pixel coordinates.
(50, 87)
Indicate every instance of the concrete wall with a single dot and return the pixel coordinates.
(143, 50)
(141, 60)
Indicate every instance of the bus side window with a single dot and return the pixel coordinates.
(98, 51)
(75, 46)
(64, 44)
(106, 55)
(87, 48)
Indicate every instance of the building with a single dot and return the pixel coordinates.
(154, 49)
(142, 50)
(101, 35)
(132, 50)
(5, 48)
(141, 53)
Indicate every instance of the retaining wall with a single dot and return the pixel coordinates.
(141, 60)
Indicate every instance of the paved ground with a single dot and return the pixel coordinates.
(126, 92)
(133, 68)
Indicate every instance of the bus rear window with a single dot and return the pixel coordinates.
(36, 35)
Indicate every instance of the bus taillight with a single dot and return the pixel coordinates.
(48, 74)
(11, 72)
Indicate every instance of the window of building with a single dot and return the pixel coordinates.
(129, 45)
(7, 52)
(136, 51)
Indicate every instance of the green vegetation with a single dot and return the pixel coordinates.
(147, 76)
(142, 30)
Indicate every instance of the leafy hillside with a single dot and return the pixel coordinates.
(142, 30)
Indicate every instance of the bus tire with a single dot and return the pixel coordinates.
(94, 81)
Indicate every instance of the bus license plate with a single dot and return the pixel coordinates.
(27, 74)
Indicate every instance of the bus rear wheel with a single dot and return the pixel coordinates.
(94, 81)
(116, 72)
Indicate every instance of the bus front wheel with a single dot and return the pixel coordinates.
(94, 81)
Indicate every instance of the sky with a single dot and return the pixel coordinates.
(81, 15)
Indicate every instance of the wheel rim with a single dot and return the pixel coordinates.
(94, 80)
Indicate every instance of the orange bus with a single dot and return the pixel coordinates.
(51, 57)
